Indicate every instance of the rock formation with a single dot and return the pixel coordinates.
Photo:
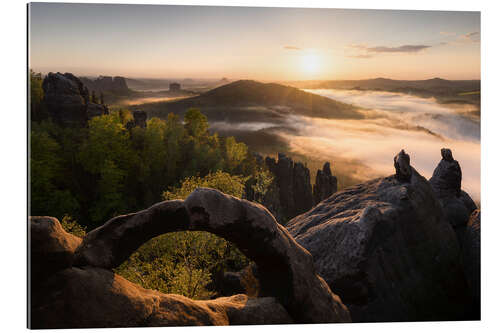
(116, 85)
(386, 249)
(294, 185)
(326, 184)
(446, 181)
(84, 292)
(67, 100)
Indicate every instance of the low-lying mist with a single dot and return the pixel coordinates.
(364, 149)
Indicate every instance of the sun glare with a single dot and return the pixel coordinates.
(311, 63)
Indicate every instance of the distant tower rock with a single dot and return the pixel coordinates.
(174, 87)
(326, 184)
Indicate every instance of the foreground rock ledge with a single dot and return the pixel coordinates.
(386, 248)
(291, 291)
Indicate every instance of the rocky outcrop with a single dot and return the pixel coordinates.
(446, 182)
(67, 100)
(326, 184)
(91, 295)
(385, 247)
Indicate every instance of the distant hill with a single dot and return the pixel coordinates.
(446, 91)
(241, 96)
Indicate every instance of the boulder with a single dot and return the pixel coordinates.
(326, 184)
(386, 249)
(67, 100)
(446, 182)
(51, 248)
(89, 294)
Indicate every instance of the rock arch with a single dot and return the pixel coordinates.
(286, 270)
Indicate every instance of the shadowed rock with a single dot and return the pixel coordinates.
(51, 248)
(287, 279)
(90, 297)
(326, 184)
(294, 185)
(470, 239)
(446, 182)
(385, 248)
(67, 100)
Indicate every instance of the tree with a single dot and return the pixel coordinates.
(36, 95)
(196, 123)
(93, 98)
(102, 98)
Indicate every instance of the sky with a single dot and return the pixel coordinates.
(160, 41)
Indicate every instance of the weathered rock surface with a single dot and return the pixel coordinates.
(67, 100)
(386, 249)
(90, 295)
(446, 182)
(326, 184)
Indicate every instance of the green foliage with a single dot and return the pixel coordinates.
(222, 181)
(196, 123)
(112, 167)
(47, 197)
(72, 226)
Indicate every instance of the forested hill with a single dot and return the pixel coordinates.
(247, 93)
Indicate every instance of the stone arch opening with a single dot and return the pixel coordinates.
(196, 264)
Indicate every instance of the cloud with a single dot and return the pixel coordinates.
(361, 56)
(399, 49)
(446, 33)
(370, 51)
(291, 47)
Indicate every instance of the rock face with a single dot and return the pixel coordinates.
(294, 185)
(89, 294)
(67, 100)
(326, 184)
(386, 249)
(446, 181)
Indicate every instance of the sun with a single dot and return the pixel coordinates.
(311, 63)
